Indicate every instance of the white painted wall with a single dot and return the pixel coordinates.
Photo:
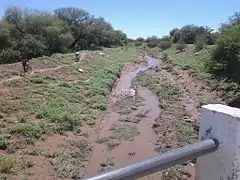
(223, 123)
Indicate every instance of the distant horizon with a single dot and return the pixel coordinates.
(139, 19)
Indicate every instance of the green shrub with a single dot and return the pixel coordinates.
(181, 47)
(152, 44)
(37, 80)
(6, 165)
(164, 56)
(165, 45)
(199, 46)
(138, 43)
(200, 43)
(28, 130)
(225, 60)
(9, 56)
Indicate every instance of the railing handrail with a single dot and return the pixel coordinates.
(159, 162)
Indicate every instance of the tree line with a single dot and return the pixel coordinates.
(29, 33)
(224, 61)
(188, 34)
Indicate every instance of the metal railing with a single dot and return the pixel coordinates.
(159, 162)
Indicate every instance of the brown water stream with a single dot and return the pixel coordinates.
(119, 142)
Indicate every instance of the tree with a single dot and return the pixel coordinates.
(234, 19)
(176, 37)
(78, 21)
(172, 32)
(140, 39)
(5, 33)
(188, 34)
(32, 46)
(73, 16)
(152, 38)
(32, 33)
(225, 61)
(166, 38)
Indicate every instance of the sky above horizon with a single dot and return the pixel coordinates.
(143, 18)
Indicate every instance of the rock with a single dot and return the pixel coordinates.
(101, 54)
(87, 81)
(103, 164)
(131, 153)
(168, 146)
(191, 164)
(189, 121)
(132, 92)
(196, 127)
(8, 136)
(128, 92)
(155, 125)
(80, 70)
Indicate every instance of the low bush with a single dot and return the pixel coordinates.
(165, 45)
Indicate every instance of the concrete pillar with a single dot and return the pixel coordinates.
(223, 123)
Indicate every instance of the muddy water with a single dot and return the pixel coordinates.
(127, 77)
(126, 151)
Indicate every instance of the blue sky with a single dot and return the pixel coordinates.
(144, 17)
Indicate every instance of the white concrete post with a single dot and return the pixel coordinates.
(223, 123)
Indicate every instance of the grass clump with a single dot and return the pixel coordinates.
(125, 132)
(70, 159)
(175, 173)
(28, 130)
(6, 165)
(37, 80)
(3, 145)
(42, 79)
(186, 132)
(180, 47)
